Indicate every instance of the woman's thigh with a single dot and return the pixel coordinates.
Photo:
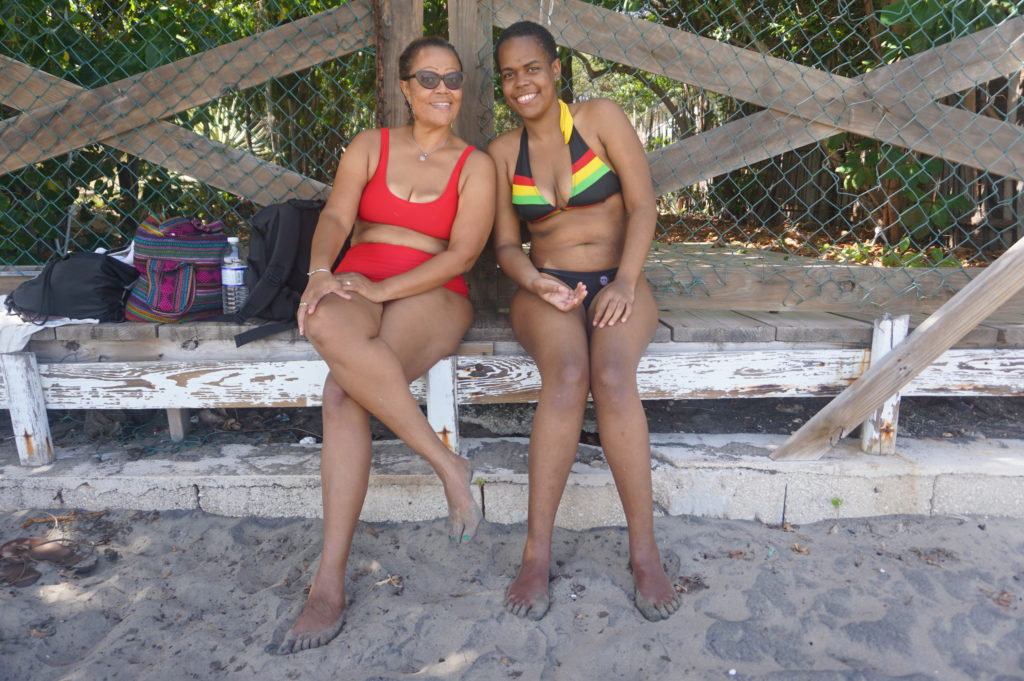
(556, 340)
(424, 328)
(623, 344)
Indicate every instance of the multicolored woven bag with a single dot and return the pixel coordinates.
(179, 271)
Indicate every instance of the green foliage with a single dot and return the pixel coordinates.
(301, 121)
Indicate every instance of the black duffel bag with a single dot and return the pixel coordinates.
(78, 286)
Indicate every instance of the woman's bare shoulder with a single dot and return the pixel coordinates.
(504, 144)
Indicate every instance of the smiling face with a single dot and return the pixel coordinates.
(529, 79)
(439, 106)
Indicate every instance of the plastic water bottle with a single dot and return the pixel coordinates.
(232, 278)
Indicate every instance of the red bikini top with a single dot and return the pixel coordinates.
(433, 218)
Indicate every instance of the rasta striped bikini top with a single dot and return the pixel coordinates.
(592, 180)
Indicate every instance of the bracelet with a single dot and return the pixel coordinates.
(318, 269)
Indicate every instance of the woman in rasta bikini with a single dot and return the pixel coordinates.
(419, 205)
(578, 176)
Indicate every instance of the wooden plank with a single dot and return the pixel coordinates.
(679, 283)
(977, 58)
(443, 403)
(27, 406)
(124, 331)
(179, 150)
(715, 326)
(177, 424)
(1009, 329)
(878, 433)
(981, 336)
(177, 385)
(397, 23)
(469, 30)
(970, 306)
(814, 327)
(91, 116)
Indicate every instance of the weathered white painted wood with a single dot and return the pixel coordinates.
(514, 378)
(443, 402)
(179, 385)
(878, 433)
(27, 406)
(177, 424)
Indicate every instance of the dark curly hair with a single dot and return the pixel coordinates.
(529, 29)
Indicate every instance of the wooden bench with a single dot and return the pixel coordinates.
(695, 354)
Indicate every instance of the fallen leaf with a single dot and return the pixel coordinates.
(1004, 599)
(39, 633)
(738, 554)
(687, 584)
(460, 595)
(392, 580)
(800, 549)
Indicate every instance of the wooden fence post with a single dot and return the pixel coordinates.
(961, 313)
(27, 408)
(878, 433)
(396, 22)
(443, 402)
(469, 30)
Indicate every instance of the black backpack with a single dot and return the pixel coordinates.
(76, 285)
(279, 255)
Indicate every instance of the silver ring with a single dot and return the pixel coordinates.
(303, 304)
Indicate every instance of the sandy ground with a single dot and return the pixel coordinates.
(186, 595)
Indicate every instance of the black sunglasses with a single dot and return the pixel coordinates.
(430, 80)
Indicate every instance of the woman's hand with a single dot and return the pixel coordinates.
(321, 284)
(613, 304)
(353, 282)
(554, 291)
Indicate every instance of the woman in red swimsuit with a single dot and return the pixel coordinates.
(578, 176)
(418, 203)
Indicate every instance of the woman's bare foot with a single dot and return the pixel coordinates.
(527, 595)
(655, 596)
(464, 514)
(319, 622)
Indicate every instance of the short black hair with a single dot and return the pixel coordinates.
(413, 48)
(529, 29)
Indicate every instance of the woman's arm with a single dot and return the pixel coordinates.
(508, 247)
(472, 225)
(336, 221)
(626, 155)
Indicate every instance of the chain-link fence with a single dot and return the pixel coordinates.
(118, 110)
(797, 142)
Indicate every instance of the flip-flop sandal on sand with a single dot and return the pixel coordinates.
(16, 573)
(64, 553)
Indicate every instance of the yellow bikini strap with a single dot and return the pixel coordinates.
(564, 120)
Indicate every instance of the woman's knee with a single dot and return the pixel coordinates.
(567, 381)
(612, 381)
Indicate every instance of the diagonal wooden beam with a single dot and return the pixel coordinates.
(178, 149)
(961, 313)
(92, 115)
(812, 95)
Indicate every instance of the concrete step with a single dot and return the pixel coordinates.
(716, 476)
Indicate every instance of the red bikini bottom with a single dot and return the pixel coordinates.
(377, 261)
